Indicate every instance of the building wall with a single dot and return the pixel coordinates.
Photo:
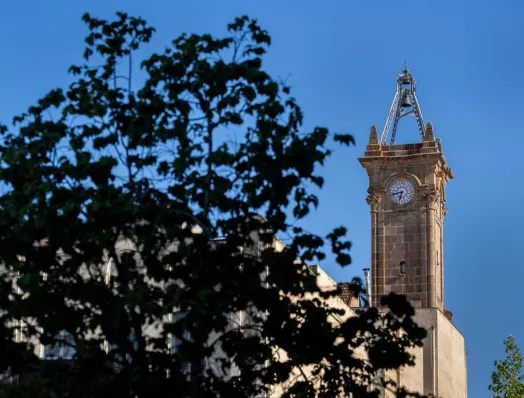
(452, 360)
(326, 283)
(440, 365)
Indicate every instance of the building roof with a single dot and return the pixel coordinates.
(348, 294)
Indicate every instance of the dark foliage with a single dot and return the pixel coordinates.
(183, 184)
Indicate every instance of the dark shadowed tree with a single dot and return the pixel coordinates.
(507, 380)
(182, 169)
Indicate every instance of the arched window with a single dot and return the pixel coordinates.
(402, 267)
(63, 347)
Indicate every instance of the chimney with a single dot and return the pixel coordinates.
(368, 286)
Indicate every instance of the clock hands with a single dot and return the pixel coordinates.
(398, 193)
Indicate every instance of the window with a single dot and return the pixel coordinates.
(174, 344)
(403, 266)
(62, 348)
(174, 341)
(20, 329)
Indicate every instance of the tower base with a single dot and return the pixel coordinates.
(441, 364)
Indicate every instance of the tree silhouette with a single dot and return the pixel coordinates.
(139, 217)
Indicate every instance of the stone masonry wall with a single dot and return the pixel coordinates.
(410, 233)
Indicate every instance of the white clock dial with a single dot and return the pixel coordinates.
(402, 192)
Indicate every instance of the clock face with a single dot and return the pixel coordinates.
(402, 192)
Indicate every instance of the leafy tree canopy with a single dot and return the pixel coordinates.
(507, 380)
(171, 180)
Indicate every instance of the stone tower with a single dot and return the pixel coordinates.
(407, 185)
(407, 199)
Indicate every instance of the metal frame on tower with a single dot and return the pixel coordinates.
(404, 98)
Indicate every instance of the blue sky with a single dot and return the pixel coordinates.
(342, 58)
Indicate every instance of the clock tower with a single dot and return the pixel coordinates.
(407, 197)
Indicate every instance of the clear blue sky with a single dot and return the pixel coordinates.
(342, 58)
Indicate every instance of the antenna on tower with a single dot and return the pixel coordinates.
(404, 99)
